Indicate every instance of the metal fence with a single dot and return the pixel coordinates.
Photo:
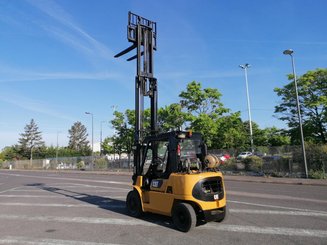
(277, 167)
(281, 161)
(71, 163)
(278, 161)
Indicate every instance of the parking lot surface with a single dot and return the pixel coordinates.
(39, 207)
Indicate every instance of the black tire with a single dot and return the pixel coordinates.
(184, 217)
(223, 215)
(133, 204)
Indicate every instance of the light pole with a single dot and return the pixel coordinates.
(290, 53)
(31, 158)
(89, 113)
(101, 137)
(114, 108)
(245, 68)
(57, 148)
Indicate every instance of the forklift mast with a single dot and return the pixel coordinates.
(142, 33)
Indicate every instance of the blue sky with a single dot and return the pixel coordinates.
(56, 57)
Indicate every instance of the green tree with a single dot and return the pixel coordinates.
(231, 132)
(11, 153)
(124, 127)
(171, 117)
(51, 152)
(78, 139)
(31, 140)
(203, 108)
(277, 137)
(260, 138)
(312, 90)
(198, 101)
(268, 136)
(107, 146)
(207, 126)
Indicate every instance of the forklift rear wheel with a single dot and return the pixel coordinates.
(223, 215)
(184, 217)
(133, 204)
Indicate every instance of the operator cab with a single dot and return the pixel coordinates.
(173, 152)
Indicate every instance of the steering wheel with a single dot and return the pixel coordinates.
(159, 161)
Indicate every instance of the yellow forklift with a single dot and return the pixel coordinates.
(173, 174)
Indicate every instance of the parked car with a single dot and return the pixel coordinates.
(244, 154)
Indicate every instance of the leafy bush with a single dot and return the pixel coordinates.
(101, 163)
(316, 156)
(80, 165)
(253, 163)
(317, 174)
(229, 165)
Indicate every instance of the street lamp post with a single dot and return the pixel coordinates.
(245, 68)
(114, 109)
(101, 137)
(290, 53)
(89, 113)
(31, 158)
(57, 148)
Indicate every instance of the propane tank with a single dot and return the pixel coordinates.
(211, 161)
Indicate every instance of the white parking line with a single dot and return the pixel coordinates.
(20, 204)
(23, 190)
(81, 220)
(45, 241)
(273, 212)
(274, 206)
(60, 195)
(108, 205)
(11, 189)
(268, 230)
(136, 222)
(275, 197)
(32, 196)
(103, 187)
(71, 186)
(64, 178)
(44, 188)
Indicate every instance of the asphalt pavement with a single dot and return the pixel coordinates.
(64, 207)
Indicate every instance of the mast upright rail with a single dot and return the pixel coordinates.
(142, 33)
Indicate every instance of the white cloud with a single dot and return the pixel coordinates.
(10, 74)
(32, 105)
(63, 27)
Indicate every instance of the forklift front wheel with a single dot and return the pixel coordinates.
(133, 204)
(184, 217)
